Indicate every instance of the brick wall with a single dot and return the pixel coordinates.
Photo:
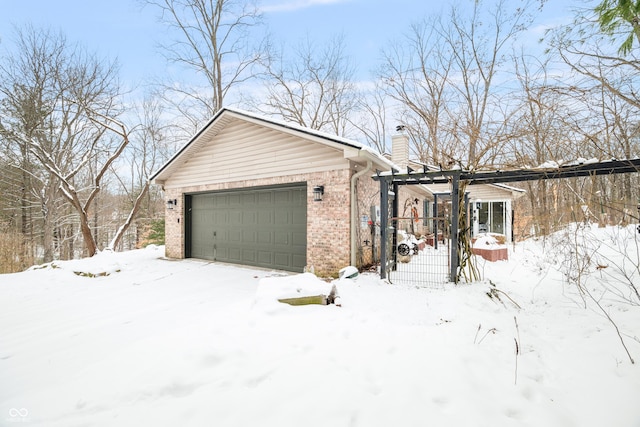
(174, 226)
(368, 193)
(328, 223)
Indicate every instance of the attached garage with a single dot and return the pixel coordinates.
(242, 191)
(263, 227)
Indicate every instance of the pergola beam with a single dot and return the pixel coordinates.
(499, 177)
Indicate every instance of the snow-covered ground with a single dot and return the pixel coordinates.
(153, 342)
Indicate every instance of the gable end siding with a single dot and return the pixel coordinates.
(244, 150)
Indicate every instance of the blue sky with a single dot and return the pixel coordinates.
(122, 29)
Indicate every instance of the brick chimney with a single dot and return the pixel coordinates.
(400, 148)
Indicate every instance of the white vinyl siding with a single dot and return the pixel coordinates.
(244, 150)
(484, 192)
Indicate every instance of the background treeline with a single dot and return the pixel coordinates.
(477, 86)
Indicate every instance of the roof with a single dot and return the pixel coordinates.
(510, 188)
(487, 192)
(225, 115)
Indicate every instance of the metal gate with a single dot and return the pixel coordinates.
(425, 258)
(419, 258)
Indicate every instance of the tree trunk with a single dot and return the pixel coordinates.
(134, 210)
(87, 235)
(85, 227)
(48, 218)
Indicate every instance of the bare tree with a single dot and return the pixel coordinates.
(312, 87)
(604, 85)
(43, 82)
(479, 44)
(67, 175)
(542, 133)
(416, 74)
(213, 38)
(590, 58)
(147, 149)
(371, 118)
(60, 121)
(444, 71)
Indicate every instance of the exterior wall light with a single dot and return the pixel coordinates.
(171, 203)
(318, 192)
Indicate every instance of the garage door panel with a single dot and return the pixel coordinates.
(265, 199)
(281, 197)
(282, 217)
(263, 227)
(282, 259)
(220, 217)
(219, 200)
(206, 250)
(233, 254)
(299, 218)
(249, 218)
(265, 218)
(235, 218)
(249, 237)
(265, 237)
(249, 256)
(221, 253)
(233, 200)
(298, 259)
(265, 257)
(299, 239)
(231, 237)
(281, 238)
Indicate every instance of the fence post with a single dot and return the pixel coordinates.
(435, 221)
(384, 225)
(394, 224)
(455, 214)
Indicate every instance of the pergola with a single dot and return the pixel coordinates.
(390, 181)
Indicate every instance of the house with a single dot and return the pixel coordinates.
(256, 191)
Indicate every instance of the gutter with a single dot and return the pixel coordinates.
(354, 208)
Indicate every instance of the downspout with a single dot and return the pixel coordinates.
(354, 209)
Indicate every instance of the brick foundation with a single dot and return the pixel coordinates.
(496, 254)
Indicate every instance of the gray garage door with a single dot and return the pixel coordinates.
(264, 227)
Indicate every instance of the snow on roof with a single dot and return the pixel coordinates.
(552, 164)
(510, 188)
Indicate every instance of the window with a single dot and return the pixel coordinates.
(491, 217)
(497, 217)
